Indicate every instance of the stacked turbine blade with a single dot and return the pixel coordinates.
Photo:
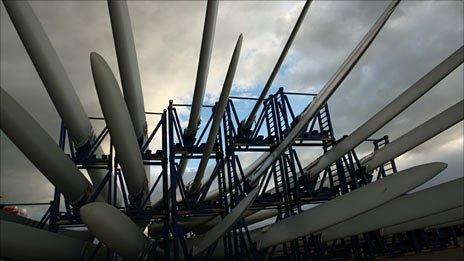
(50, 70)
(246, 124)
(21, 242)
(42, 150)
(413, 138)
(117, 119)
(450, 217)
(382, 204)
(202, 75)
(405, 208)
(129, 70)
(217, 231)
(217, 117)
(406, 142)
(76, 234)
(55, 80)
(347, 205)
(128, 65)
(214, 195)
(327, 91)
(114, 229)
(304, 118)
(394, 108)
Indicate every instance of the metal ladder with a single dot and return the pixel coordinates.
(388, 167)
(325, 126)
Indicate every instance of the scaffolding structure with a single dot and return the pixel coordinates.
(285, 189)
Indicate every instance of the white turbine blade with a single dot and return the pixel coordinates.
(348, 205)
(117, 119)
(42, 150)
(249, 120)
(217, 117)
(387, 113)
(129, 69)
(405, 208)
(447, 224)
(222, 227)
(50, 70)
(21, 242)
(418, 135)
(261, 215)
(55, 79)
(214, 195)
(204, 226)
(413, 138)
(455, 216)
(326, 92)
(76, 234)
(114, 229)
(202, 73)
(305, 117)
(128, 65)
(203, 66)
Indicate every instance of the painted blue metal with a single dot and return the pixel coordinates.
(288, 197)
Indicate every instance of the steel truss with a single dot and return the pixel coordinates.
(285, 189)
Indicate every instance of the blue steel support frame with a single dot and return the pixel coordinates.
(292, 192)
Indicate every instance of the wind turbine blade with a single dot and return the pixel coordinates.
(202, 74)
(117, 119)
(326, 92)
(114, 229)
(246, 124)
(261, 215)
(214, 195)
(447, 224)
(21, 242)
(55, 79)
(226, 223)
(450, 200)
(413, 138)
(387, 113)
(203, 66)
(403, 209)
(305, 117)
(217, 117)
(50, 70)
(42, 150)
(80, 235)
(455, 216)
(129, 69)
(418, 135)
(202, 224)
(348, 205)
(128, 65)
(410, 140)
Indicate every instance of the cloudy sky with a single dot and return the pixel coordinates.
(418, 36)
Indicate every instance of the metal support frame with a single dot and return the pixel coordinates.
(285, 188)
